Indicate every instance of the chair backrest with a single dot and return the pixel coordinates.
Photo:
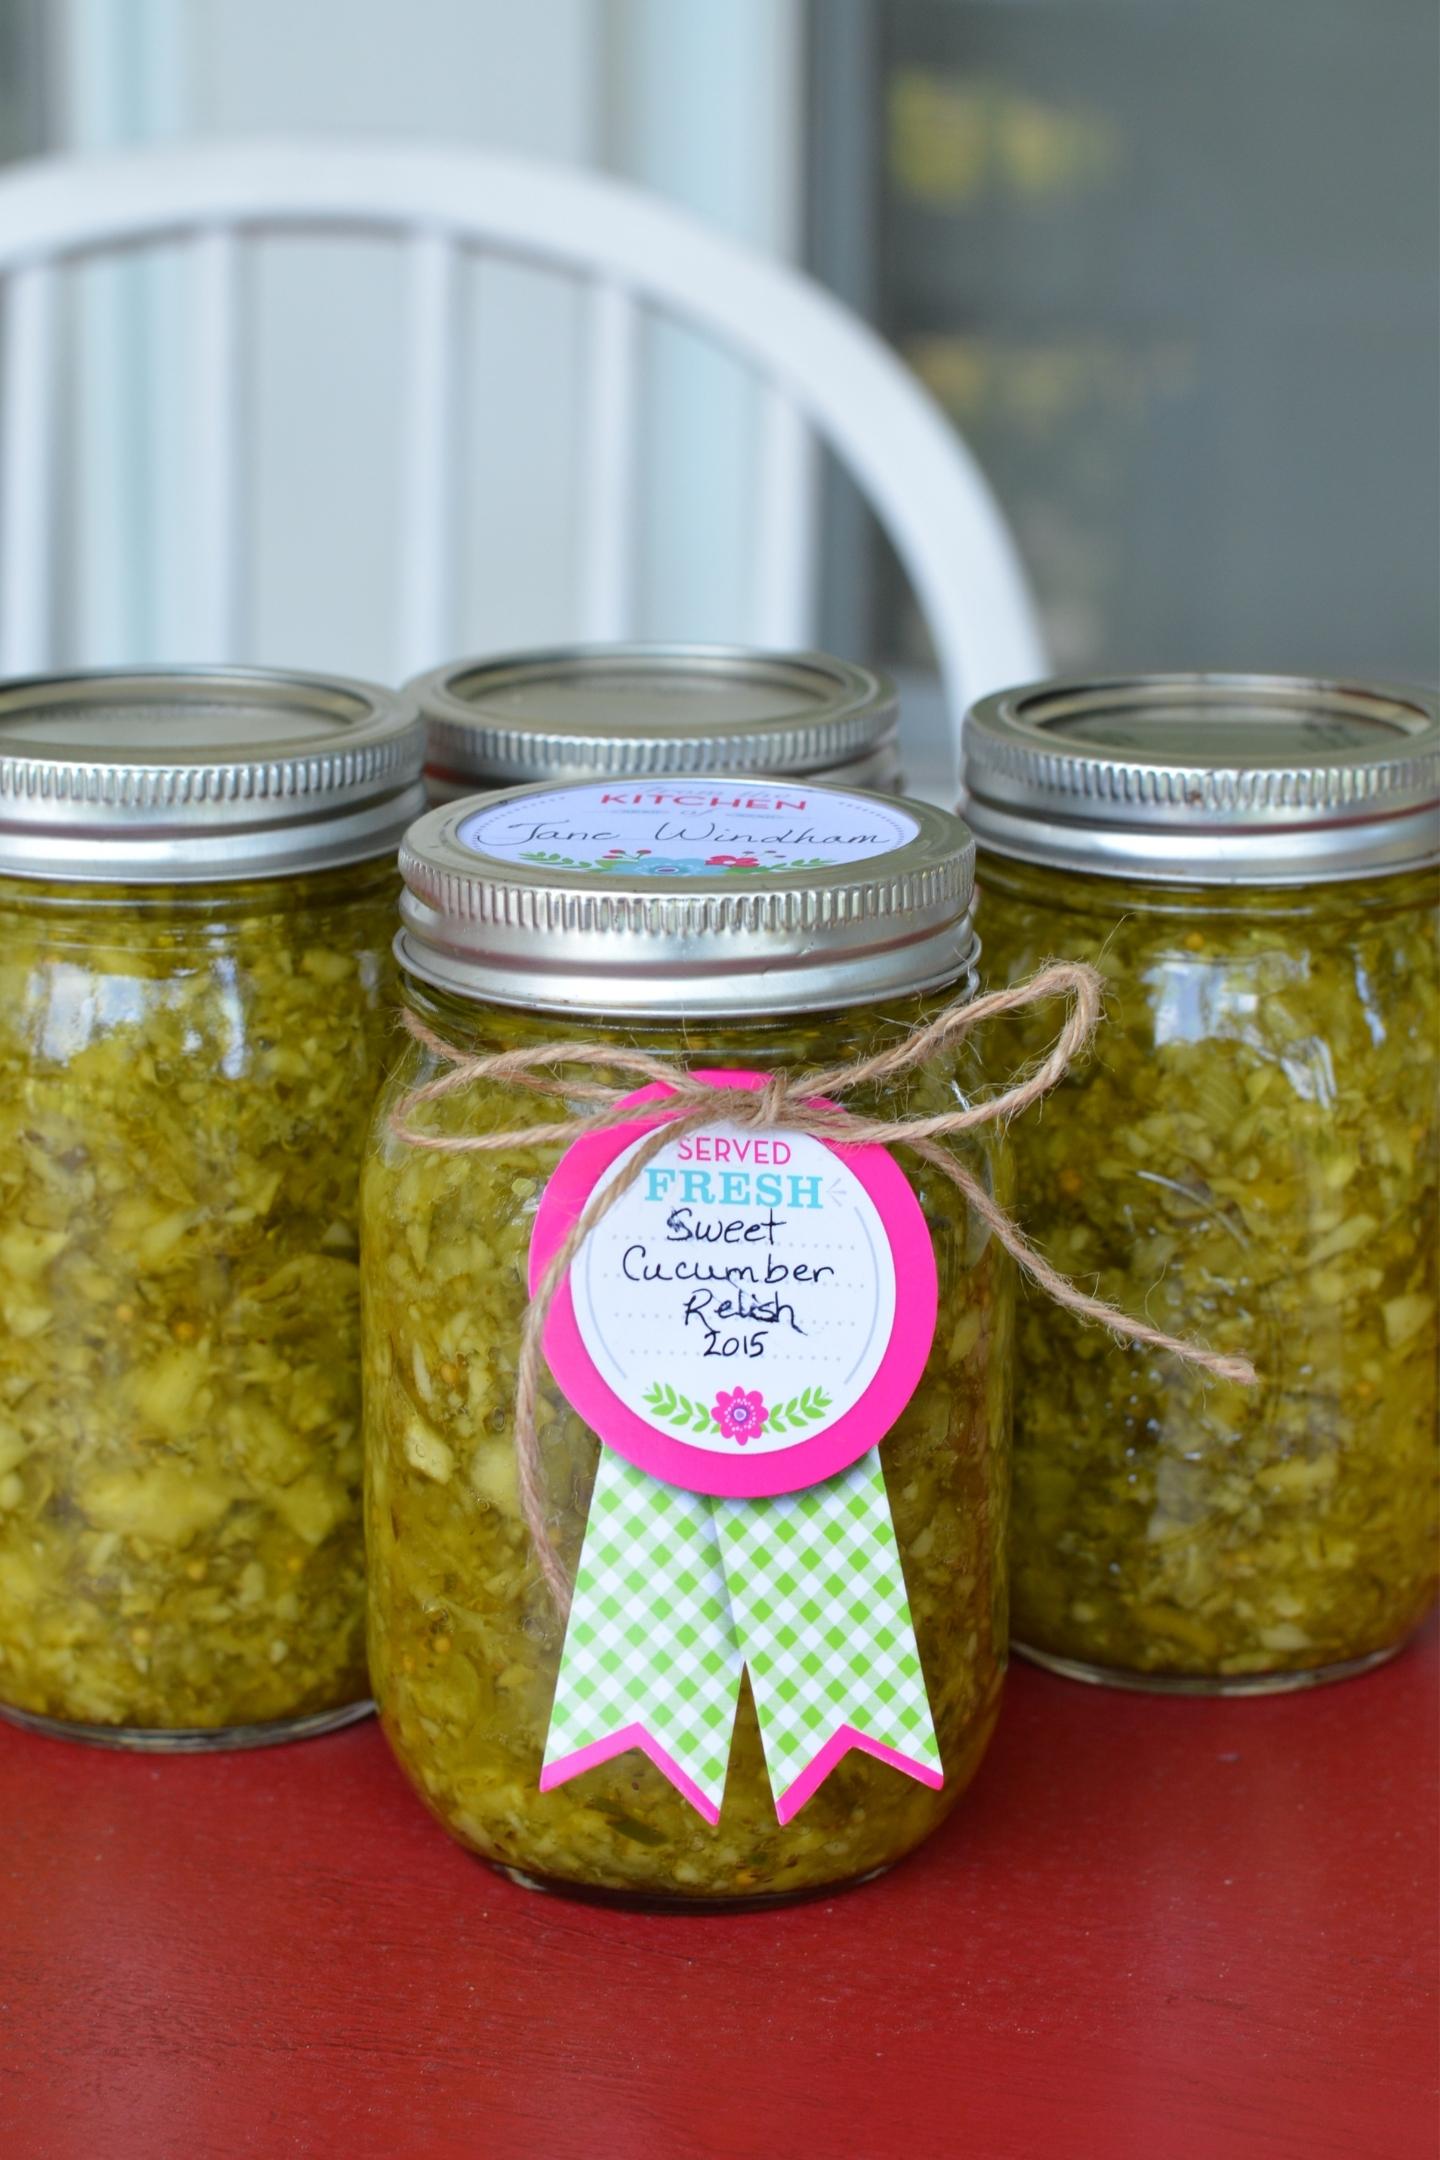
(824, 374)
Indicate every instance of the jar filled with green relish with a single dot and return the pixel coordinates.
(197, 893)
(1249, 1157)
(615, 712)
(773, 1416)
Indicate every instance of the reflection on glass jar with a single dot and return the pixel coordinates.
(465, 1640)
(186, 1070)
(1250, 1156)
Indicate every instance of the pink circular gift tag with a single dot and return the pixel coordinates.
(752, 1316)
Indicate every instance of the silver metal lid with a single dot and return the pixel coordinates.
(686, 897)
(592, 712)
(1207, 779)
(176, 775)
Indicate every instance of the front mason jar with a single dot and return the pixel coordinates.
(195, 1005)
(847, 1750)
(1250, 1157)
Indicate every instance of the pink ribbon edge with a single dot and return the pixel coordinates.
(787, 1805)
(620, 1743)
(845, 1737)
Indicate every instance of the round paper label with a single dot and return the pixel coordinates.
(733, 1324)
(677, 828)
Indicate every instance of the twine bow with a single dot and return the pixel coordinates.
(787, 1101)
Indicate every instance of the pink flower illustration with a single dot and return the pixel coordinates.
(740, 1415)
(732, 862)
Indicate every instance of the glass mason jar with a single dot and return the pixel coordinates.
(197, 893)
(698, 946)
(1250, 1158)
(616, 712)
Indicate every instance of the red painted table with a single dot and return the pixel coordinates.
(1158, 1930)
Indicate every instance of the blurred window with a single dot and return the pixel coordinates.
(1173, 270)
(22, 79)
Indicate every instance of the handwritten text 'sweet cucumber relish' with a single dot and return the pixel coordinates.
(196, 906)
(1249, 1156)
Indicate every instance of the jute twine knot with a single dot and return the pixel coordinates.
(803, 1102)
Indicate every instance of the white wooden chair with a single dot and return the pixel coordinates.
(825, 375)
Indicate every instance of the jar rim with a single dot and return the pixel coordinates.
(600, 711)
(164, 775)
(811, 898)
(1207, 778)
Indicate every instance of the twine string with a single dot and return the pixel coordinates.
(792, 1102)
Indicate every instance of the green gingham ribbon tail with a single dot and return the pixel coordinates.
(677, 1594)
(823, 1619)
(650, 1658)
